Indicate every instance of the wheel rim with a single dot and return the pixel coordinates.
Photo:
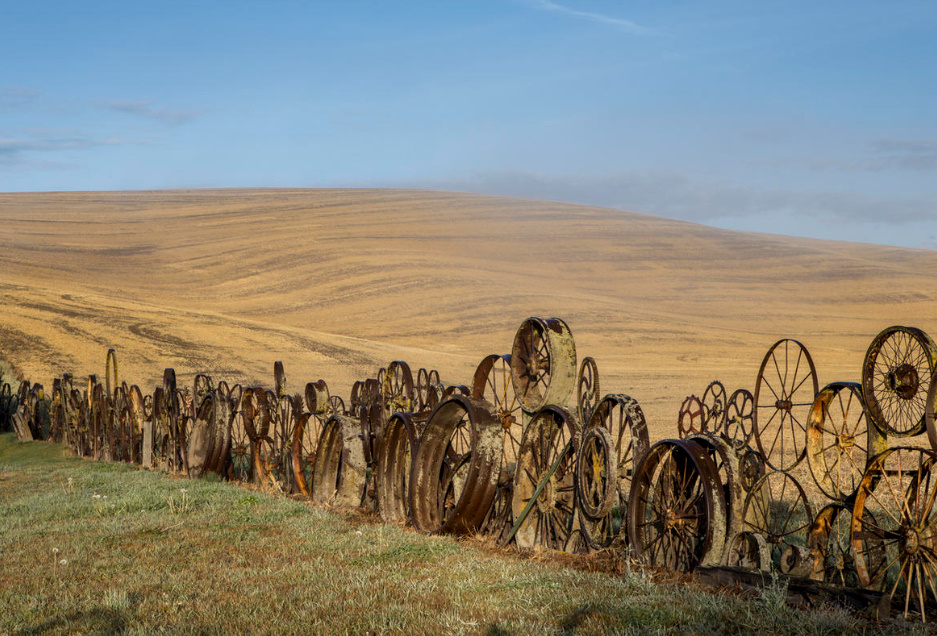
(543, 363)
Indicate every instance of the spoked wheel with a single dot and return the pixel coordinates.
(714, 407)
(751, 468)
(676, 516)
(748, 550)
(588, 390)
(303, 452)
(739, 416)
(239, 460)
(830, 545)
(784, 394)
(339, 469)
(543, 363)
(894, 527)
(544, 493)
(690, 419)
(397, 389)
(726, 460)
(279, 379)
(777, 508)
(492, 383)
(840, 440)
(597, 487)
(624, 420)
(392, 473)
(896, 376)
(456, 467)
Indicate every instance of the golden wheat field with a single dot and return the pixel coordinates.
(336, 283)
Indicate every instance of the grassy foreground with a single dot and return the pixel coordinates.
(91, 547)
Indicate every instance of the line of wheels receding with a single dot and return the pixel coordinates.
(532, 453)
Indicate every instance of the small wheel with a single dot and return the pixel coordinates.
(894, 527)
(714, 407)
(397, 389)
(690, 418)
(456, 467)
(492, 383)
(676, 513)
(784, 394)
(751, 468)
(201, 387)
(777, 508)
(588, 391)
(896, 376)
(317, 399)
(336, 405)
(748, 550)
(596, 487)
(110, 373)
(840, 440)
(739, 416)
(544, 493)
(279, 379)
(422, 389)
(830, 545)
(543, 363)
(392, 471)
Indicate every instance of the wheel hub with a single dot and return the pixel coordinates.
(546, 502)
(911, 541)
(904, 381)
(507, 420)
(845, 441)
(784, 405)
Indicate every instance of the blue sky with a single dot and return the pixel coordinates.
(806, 118)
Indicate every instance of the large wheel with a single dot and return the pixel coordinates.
(829, 542)
(777, 508)
(597, 487)
(397, 394)
(894, 527)
(544, 499)
(392, 471)
(676, 515)
(726, 460)
(896, 375)
(840, 440)
(543, 363)
(784, 393)
(455, 471)
(492, 383)
(339, 469)
(303, 451)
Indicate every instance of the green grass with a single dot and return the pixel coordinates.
(144, 557)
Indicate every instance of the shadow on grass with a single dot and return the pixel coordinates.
(566, 627)
(97, 620)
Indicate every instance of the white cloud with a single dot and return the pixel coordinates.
(148, 111)
(618, 23)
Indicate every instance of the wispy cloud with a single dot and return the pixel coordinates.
(13, 97)
(19, 149)
(149, 111)
(618, 23)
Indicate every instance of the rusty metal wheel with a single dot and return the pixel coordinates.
(597, 487)
(747, 550)
(339, 470)
(931, 412)
(690, 419)
(110, 373)
(392, 470)
(492, 383)
(543, 363)
(676, 514)
(841, 440)
(588, 390)
(317, 399)
(456, 467)
(777, 508)
(896, 375)
(725, 458)
(544, 499)
(784, 393)
(201, 439)
(337, 405)
(751, 467)
(397, 392)
(303, 452)
(279, 379)
(714, 407)
(739, 417)
(240, 461)
(894, 527)
(830, 545)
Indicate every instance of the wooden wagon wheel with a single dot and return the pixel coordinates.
(747, 550)
(896, 375)
(676, 513)
(596, 485)
(397, 392)
(739, 417)
(544, 498)
(587, 388)
(392, 471)
(543, 363)
(456, 467)
(690, 419)
(714, 407)
(339, 468)
(784, 392)
(841, 440)
(777, 508)
(894, 527)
